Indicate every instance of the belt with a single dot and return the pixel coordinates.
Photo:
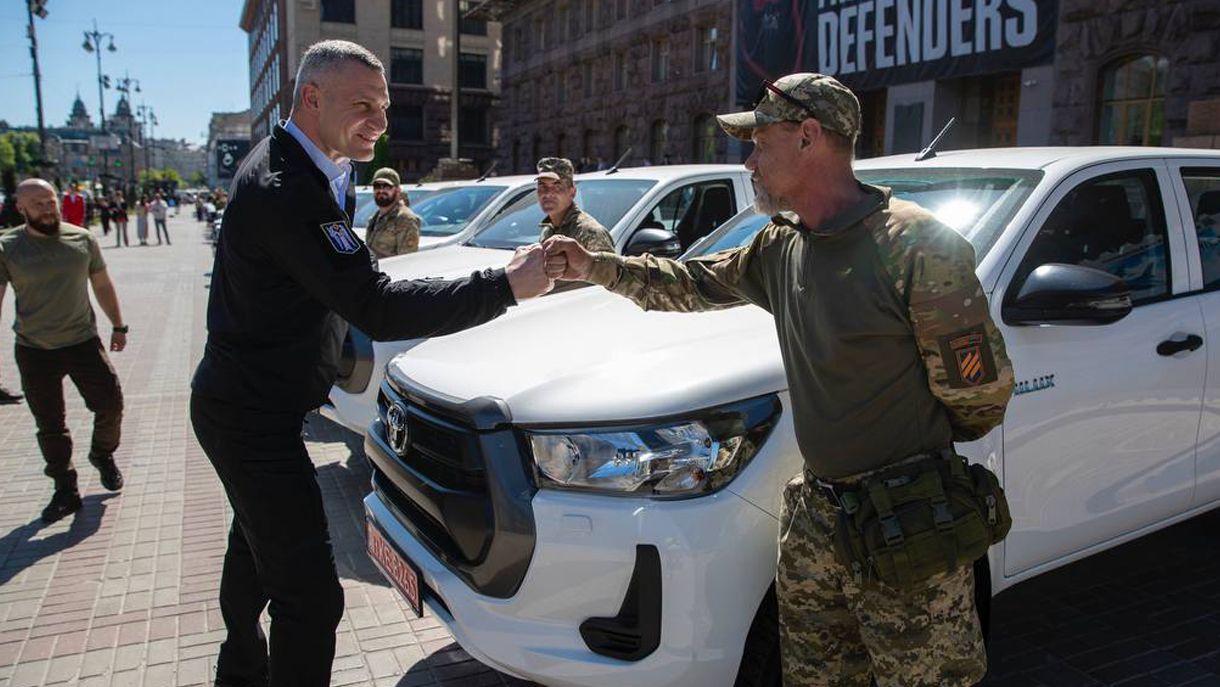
(844, 496)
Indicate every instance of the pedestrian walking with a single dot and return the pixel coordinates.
(556, 190)
(49, 263)
(890, 355)
(158, 210)
(119, 215)
(289, 272)
(142, 220)
(394, 228)
(103, 213)
(199, 207)
(74, 206)
(9, 217)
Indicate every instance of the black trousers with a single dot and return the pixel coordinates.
(42, 380)
(162, 229)
(279, 548)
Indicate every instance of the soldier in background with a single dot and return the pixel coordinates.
(394, 229)
(557, 198)
(871, 296)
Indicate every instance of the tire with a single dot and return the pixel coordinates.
(760, 659)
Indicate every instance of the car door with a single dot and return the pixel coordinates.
(1099, 437)
(1197, 185)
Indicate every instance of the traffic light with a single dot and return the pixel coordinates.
(39, 8)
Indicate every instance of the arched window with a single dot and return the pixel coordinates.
(537, 151)
(622, 141)
(561, 144)
(658, 142)
(704, 139)
(1132, 101)
(586, 149)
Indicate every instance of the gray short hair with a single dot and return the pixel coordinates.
(324, 56)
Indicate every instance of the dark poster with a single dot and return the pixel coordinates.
(228, 154)
(870, 44)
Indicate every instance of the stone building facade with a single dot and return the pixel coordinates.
(414, 40)
(588, 80)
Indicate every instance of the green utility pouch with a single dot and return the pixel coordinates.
(903, 525)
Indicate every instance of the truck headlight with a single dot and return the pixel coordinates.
(686, 457)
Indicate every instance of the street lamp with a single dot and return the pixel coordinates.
(37, 8)
(125, 86)
(93, 44)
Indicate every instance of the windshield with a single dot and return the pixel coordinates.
(447, 211)
(978, 203)
(415, 195)
(365, 207)
(606, 199)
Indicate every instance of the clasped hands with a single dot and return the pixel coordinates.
(534, 269)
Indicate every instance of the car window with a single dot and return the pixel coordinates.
(415, 195)
(692, 211)
(445, 213)
(1203, 194)
(737, 232)
(1114, 223)
(606, 199)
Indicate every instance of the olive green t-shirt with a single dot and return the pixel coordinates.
(49, 275)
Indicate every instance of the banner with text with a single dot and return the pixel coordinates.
(870, 44)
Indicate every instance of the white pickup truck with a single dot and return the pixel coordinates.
(1102, 266)
(662, 210)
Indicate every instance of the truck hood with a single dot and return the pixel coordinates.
(592, 356)
(444, 262)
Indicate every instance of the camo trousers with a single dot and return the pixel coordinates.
(834, 632)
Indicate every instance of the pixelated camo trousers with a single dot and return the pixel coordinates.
(837, 633)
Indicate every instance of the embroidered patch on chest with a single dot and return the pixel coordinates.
(341, 237)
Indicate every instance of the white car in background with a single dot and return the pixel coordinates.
(465, 206)
(587, 494)
(662, 210)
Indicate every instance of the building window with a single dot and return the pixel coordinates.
(407, 123)
(407, 14)
(660, 60)
(561, 88)
(519, 44)
(590, 14)
(622, 141)
(704, 139)
(562, 21)
(469, 26)
(1133, 101)
(343, 11)
(586, 146)
(707, 57)
(588, 79)
(622, 9)
(540, 33)
(472, 70)
(658, 142)
(561, 144)
(472, 125)
(574, 27)
(406, 65)
(620, 71)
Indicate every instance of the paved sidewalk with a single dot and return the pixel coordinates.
(125, 594)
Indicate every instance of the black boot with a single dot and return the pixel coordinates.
(9, 397)
(111, 478)
(65, 501)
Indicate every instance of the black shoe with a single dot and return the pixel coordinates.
(8, 397)
(63, 503)
(112, 479)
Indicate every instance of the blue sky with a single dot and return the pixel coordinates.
(189, 56)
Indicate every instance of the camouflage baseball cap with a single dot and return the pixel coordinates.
(387, 174)
(556, 168)
(805, 95)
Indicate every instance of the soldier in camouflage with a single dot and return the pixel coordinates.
(889, 352)
(394, 228)
(557, 198)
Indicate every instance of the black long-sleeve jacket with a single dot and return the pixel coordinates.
(289, 276)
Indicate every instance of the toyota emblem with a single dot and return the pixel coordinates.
(397, 432)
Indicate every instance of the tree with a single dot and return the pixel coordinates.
(8, 156)
(381, 157)
(199, 179)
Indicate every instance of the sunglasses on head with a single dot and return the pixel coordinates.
(770, 86)
(382, 184)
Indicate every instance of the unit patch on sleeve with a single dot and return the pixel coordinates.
(341, 237)
(967, 358)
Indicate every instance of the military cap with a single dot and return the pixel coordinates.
(388, 174)
(804, 95)
(556, 168)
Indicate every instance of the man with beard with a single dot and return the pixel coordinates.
(48, 263)
(890, 355)
(394, 229)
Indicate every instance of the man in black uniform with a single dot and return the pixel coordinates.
(289, 272)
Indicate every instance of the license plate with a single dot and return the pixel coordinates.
(395, 566)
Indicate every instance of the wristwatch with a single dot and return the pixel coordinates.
(122, 330)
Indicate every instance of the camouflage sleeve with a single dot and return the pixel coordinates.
(710, 282)
(592, 235)
(963, 352)
(408, 238)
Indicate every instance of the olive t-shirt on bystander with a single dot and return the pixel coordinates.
(49, 275)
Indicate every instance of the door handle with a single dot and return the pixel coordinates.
(1170, 346)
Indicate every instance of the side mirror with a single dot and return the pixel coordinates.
(1068, 294)
(658, 242)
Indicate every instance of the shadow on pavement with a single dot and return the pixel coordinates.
(450, 665)
(19, 550)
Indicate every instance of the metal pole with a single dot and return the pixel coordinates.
(457, 86)
(42, 132)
